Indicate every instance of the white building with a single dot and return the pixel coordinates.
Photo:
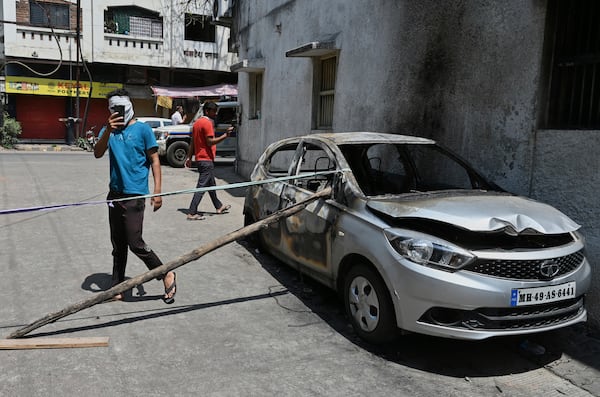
(134, 44)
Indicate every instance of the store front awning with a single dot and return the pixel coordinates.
(190, 92)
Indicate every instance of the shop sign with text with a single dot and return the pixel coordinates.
(54, 87)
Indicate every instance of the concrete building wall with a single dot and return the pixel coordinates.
(566, 174)
(415, 68)
(468, 74)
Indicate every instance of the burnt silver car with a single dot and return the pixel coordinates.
(415, 239)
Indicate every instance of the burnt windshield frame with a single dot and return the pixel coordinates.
(382, 181)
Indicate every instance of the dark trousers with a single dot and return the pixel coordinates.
(206, 178)
(126, 220)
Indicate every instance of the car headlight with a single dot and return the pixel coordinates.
(578, 236)
(428, 252)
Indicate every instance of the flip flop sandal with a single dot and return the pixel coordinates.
(196, 217)
(172, 287)
(224, 209)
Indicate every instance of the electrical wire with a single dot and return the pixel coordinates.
(57, 68)
(59, 50)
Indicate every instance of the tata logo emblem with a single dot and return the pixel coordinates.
(549, 269)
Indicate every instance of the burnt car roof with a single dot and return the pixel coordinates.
(341, 138)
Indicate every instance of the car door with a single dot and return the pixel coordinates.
(268, 196)
(306, 236)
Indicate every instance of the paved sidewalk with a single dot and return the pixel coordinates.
(46, 147)
(242, 324)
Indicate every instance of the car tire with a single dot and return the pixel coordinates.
(368, 305)
(177, 153)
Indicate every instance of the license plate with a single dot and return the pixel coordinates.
(540, 295)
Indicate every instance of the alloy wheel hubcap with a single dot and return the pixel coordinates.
(364, 304)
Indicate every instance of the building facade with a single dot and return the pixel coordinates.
(61, 60)
(512, 86)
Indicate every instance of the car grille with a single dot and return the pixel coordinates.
(524, 269)
(514, 318)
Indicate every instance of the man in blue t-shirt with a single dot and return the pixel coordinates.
(132, 152)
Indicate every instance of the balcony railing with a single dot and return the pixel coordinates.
(132, 42)
(40, 34)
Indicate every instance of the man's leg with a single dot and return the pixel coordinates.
(134, 225)
(210, 169)
(118, 238)
(203, 179)
(134, 222)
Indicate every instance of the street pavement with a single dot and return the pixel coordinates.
(242, 324)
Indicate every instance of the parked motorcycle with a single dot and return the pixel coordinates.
(91, 139)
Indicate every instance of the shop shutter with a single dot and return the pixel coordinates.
(39, 116)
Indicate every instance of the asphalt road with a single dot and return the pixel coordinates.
(241, 325)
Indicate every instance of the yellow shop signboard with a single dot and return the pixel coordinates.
(53, 87)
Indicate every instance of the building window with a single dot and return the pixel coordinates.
(133, 21)
(49, 15)
(574, 90)
(139, 26)
(255, 87)
(325, 83)
(199, 28)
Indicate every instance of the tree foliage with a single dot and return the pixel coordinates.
(9, 131)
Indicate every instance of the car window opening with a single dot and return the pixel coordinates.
(383, 168)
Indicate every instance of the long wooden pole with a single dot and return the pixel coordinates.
(174, 264)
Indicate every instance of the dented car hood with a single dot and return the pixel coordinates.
(483, 212)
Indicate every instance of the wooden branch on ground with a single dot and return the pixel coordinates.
(52, 343)
(174, 264)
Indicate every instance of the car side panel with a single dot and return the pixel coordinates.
(306, 235)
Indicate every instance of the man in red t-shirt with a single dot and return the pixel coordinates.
(203, 147)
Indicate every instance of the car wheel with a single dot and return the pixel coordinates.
(177, 153)
(368, 305)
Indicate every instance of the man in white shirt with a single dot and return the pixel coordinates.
(178, 117)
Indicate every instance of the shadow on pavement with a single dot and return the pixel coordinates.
(142, 315)
(99, 282)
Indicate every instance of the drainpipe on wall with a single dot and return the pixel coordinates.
(172, 41)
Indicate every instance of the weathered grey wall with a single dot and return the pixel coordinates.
(567, 175)
(467, 73)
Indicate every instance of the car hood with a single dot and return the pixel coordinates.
(480, 213)
(175, 128)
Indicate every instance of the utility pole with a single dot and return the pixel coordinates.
(77, 52)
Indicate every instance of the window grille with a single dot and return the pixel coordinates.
(140, 26)
(255, 91)
(326, 92)
(574, 91)
(133, 21)
(157, 29)
(50, 15)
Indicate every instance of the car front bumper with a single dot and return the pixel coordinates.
(469, 305)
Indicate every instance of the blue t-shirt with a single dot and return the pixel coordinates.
(129, 164)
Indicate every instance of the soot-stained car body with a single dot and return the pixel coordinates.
(415, 239)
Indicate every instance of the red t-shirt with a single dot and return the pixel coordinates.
(202, 128)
